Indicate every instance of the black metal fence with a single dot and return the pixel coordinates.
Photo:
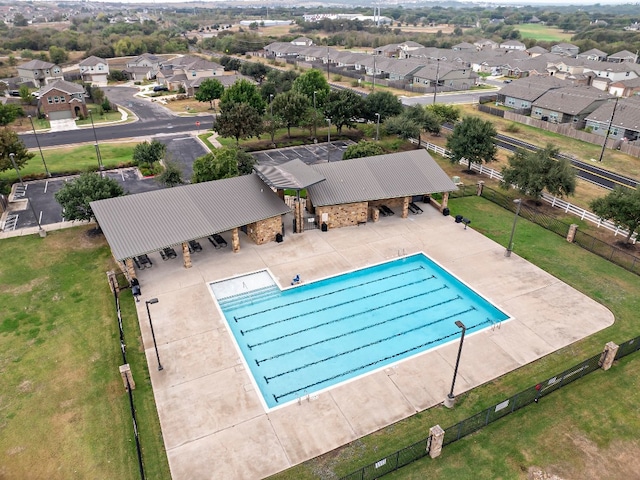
(614, 254)
(495, 412)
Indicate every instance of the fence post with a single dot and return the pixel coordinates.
(608, 355)
(480, 187)
(437, 437)
(127, 377)
(571, 235)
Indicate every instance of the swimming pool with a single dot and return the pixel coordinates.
(310, 337)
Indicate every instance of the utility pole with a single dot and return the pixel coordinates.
(606, 137)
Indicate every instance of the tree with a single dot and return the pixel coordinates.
(447, 113)
(312, 81)
(9, 112)
(402, 126)
(209, 90)
(221, 163)
(362, 149)
(431, 122)
(171, 176)
(146, 153)
(58, 55)
(76, 194)
(96, 94)
(343, 108)
(245, 161)
(25, 94)
(257, 71)
(472, 140)
(11, 143)
(242, 91)
(239, 120)
(385, 103)
(532, 172)
(291, 108)
(622, 206)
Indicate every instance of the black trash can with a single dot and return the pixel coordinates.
(279, 237)
(323, 227)
(445, 211)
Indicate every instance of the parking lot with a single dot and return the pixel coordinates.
(309, 154)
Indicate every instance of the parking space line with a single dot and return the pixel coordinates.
(46, 185)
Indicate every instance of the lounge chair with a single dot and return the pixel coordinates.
(382, 211)
(144, 261)
(213, 242)
(167, 253)
(219, 240)
(415, 207)
(194, 246)
(387, 210)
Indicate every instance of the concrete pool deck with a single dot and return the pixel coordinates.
(213, 422)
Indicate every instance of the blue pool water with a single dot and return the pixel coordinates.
(310, 337)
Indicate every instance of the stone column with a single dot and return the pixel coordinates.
(235, 240)
(125, 373)
(571, 236)
(445, 200)
(375, 214)
(479, 188)
(437, 437)
(186, 255)
(113, 281)
(405, 207)
(608, 355)
(297, 212)
(130, 270)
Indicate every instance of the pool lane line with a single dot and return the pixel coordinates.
(339, 319)
(367, 345)
(329, 339)
(330, 293)
(277, 397)
(329, 307)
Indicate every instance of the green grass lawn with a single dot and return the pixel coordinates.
(68, 160)
(543, 32)
(64, 411)
(549, 434)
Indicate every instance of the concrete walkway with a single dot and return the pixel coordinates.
(213, 423)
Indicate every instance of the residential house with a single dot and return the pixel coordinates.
(464, 46)
(625, 88)
(302, 42)
(568, 104)
(513, 45)
(39, 73)
(607, 73)
(485, 44)
(183, 71)
(143, 67)
(623, 125)
(389, 51)
(594, 55)
(521, 93)
(536, 51)
(94, 70)
(623, 56)
(62, 100)
(565, 49)
(446, 76)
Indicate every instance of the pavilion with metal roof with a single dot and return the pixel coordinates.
(293, 175)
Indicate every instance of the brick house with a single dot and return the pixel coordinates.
(62, 100)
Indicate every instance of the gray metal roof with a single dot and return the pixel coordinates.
(380, 177)
(146, 222)
(295, 175)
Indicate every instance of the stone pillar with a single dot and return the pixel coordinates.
(608, 355)
(375, 214)
(479, 188)
(235, 240)
(186, 255)
(125, 373)
(445, 200)
(297, 213)
(437, 437)
(571, 236)
(113, 281)
(405, 207)
(131, 271)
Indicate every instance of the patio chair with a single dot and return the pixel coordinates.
(170, 252)
(415, 207)
(219, 240)
(387, 210)
(145, 261)
(213, 242)
(194, 246)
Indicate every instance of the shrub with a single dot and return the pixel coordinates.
(513, 128)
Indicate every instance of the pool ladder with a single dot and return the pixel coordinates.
(495, 325)
(303, 396)
(401, 253)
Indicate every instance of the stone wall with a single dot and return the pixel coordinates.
(265, 230)
(345, 215)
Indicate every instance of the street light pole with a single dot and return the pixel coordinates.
(39, 147)
(450, 400)
(315, 114)
(153, 335)
(41, 231)
(518, 202)
(435, 89)
(328, 140)
(377, 126)
(95, 136)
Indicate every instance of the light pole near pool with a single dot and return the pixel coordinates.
(450, 401)
(153, 335)
(518, 203)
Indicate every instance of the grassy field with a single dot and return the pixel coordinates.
(570, 430)
(543, 32)
(64, 411)
(68, 160)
